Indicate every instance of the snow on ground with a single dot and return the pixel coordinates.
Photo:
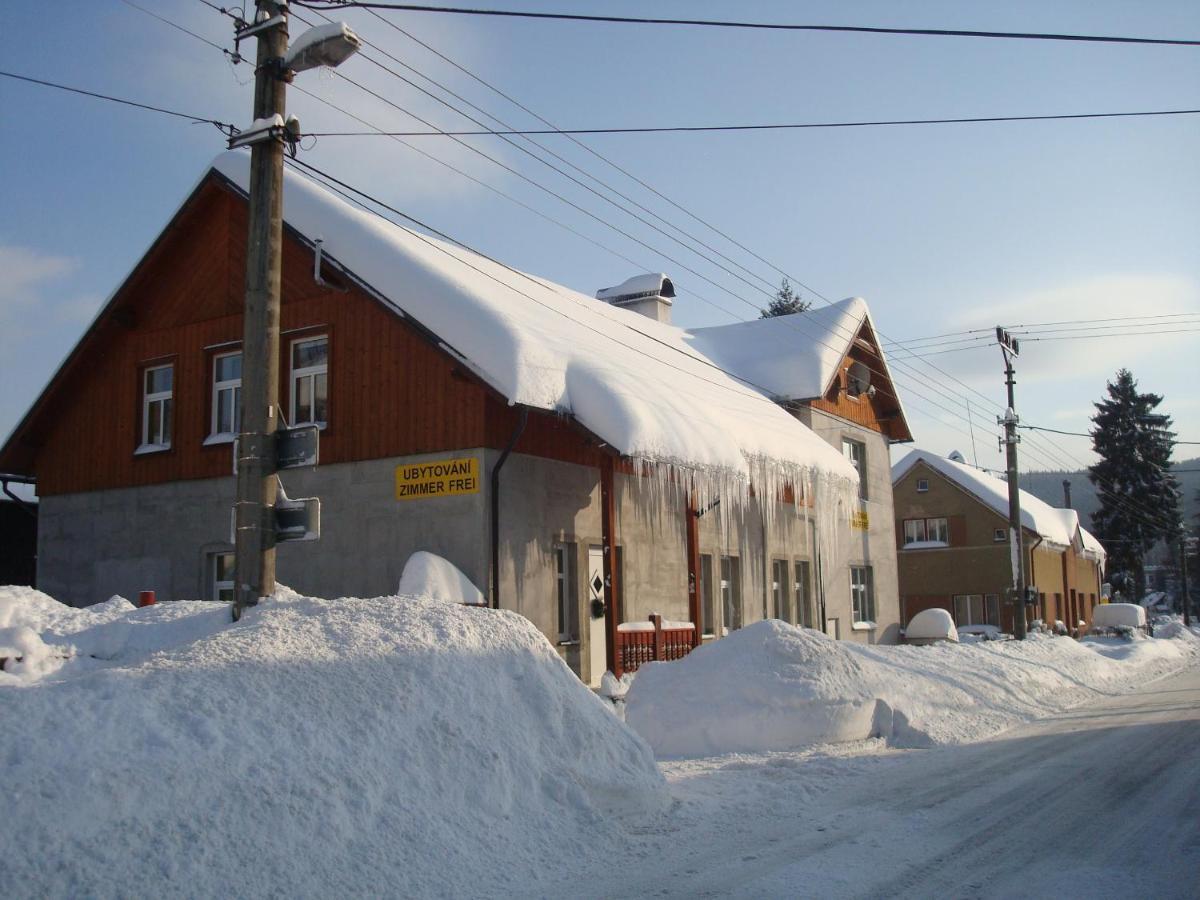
(772, 686)
(388, 746)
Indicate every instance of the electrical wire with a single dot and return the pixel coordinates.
(1088, 435)
(641, 182)
(225, 126)
(936, 419)
(791, 126)
(770, 26)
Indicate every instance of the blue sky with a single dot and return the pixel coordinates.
(941, 228)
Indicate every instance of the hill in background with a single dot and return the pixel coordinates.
(1047, 486)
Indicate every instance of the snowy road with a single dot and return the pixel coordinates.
(1103, 800)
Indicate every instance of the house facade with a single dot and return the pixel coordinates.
(509, 425)
(954, 549)
(825, 366)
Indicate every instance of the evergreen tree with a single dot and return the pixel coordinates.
(1139, 497)
(785, 302)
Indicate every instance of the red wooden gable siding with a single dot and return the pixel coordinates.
(391, 391)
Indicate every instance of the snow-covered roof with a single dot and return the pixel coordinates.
(795, 357)
(1057, 526)
(1092, 545)
(639, 385)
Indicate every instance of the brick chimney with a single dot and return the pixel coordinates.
(651, 295)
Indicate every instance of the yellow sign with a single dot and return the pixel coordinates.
(860, 521)
(438, 478)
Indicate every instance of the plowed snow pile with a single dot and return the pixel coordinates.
(391, 746)
(772, 686)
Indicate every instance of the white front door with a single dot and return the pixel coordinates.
(596, 636)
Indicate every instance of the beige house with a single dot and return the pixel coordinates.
(954, 549)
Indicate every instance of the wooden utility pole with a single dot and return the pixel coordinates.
(256, 482)
(1010, 348)
(1183, 578)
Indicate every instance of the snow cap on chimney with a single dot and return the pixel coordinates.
(651, 295)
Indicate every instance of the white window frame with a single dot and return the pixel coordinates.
(862, 596)
(922, 485)
(856, 453)
(219, 584)
(933, 530)
(801, 588)
(944, 528)
(564, 592)
(731, 593)
(708, 614)
(165, 400)
(999, 535)
(914, 531)
(310, 372)
(216, 434)
(779, 590)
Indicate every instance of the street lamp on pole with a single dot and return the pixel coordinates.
(254, 515)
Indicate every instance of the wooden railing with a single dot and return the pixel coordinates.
(643, 642)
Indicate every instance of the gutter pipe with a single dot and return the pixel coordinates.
(26, 506)
(512, 442)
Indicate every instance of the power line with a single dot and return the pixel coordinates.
(826, 300)
(1087, 435)
(378, 96)
(123, 101)
(768, 26)
(676, 129)
(1084, 337)
(987, 331)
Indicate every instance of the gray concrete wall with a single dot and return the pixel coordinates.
(874, 546)
(160, 537)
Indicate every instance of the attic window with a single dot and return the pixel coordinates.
(922, 485)
(157, 401)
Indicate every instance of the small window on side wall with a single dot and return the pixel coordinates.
(564, 590)
(222, 577)
(310, 381)
(856, 453)
(157, 401)
(922, 485)
(1000, 535)
(226, 395)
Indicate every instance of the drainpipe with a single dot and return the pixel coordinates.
(512, 442)
(1033, 580)
(27, 507)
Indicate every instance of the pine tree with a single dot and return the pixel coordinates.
(1139, 497)
(785, 302)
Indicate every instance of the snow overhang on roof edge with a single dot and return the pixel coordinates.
(548, 347)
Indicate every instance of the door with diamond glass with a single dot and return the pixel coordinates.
(595, 607)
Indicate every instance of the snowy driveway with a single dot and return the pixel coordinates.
(1102, 800)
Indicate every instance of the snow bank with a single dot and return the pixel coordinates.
(772, 686)
(768, 686)
(380, 747)
(428, 575)
(931, 625)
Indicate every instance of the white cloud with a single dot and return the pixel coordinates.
(26, 301)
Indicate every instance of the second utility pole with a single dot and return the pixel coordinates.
(256, 485)
(1011, 348)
